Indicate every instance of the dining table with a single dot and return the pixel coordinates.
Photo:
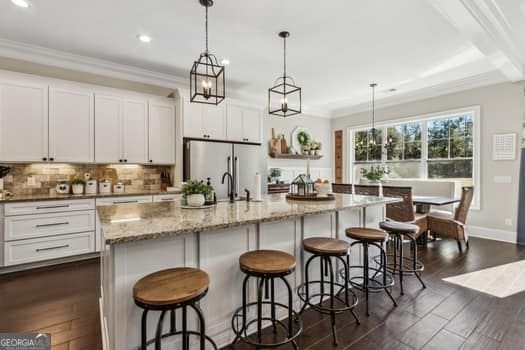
(423, 203)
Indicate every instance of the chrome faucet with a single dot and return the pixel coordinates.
(230, 179)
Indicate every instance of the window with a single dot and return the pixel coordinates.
(434, 147)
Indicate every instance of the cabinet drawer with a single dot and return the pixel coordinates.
(37, 249)
(32, 226)
(167, 198)
(42, 207)
(123, 200)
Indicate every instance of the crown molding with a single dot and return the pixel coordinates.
(51, 57)
(475, 81)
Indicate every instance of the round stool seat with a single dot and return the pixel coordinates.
(171, 287)
(267, 262)
(399, 227)
(366, 234)
(326, 246)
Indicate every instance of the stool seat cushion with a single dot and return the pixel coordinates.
(326, 246)
(366, 234)
(399, 227)
(171, 286)
(267, 262)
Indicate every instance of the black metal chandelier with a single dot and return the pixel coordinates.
(372, 143)
(284, 99)
(207, 82)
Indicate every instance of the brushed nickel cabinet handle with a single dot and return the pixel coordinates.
(53, 206)
(52, 248)
(123, 202)
(53, 224)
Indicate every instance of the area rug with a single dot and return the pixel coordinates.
(500, 281)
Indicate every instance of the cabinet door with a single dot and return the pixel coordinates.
(71, 125)
(215, 122)
(135, 131)
(161, 132)
(234, 123)
(108, 135)
(251, 125)
(194, 120)
(23, 122)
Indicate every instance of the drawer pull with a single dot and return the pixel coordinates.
(168, 199)
(52, 248)
(123, 202)
(54, 206)
(53, 224)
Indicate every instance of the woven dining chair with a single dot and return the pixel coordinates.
(404, 211)
(453, 226)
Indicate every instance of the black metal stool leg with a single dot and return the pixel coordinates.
(322, 279)
(401, 265)
(144, 330)
(328, 263)
(185, 335)
(202, 326)
(306, 281)
(414, 260)
(290, 306)
(173, 324)
(272, 300)
(158, 335)
(259, 309)
(365, 275)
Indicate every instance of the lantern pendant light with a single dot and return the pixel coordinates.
(207, 82)
(372, 136)
(284, 99)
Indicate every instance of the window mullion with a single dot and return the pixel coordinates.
(424, 150)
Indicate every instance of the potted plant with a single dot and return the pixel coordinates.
(375, 174)
(195, 192)
(78, 186)
(275, 174)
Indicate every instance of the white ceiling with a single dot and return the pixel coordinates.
(336, 47)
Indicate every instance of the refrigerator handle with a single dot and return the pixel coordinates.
(237, 182)
(230, 170)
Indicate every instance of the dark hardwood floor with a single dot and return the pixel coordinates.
(63, 300)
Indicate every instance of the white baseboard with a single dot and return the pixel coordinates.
(493, 234)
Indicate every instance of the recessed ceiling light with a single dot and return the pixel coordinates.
(144, 38)
(225, 61)
(21, 3)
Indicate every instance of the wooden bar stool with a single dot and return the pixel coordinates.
(169, 290)
(266, 266)
(381, 279)
(326, 249)
(397, 263)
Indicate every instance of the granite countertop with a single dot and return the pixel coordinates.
(134, 222)
(56, 196)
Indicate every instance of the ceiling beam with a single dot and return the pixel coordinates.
(485, 25)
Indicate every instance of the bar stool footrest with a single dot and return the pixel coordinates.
(172, 334)
(353, 300)
(375, 284)
(407, 268)
(242, 333)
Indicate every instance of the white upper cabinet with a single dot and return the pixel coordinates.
(194, 120)
(135, 131)
(108, 130)
(71, 125)
(23, 121)
(215, 121)
(244, 124)
(161, 131)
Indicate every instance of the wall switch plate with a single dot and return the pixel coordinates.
(502, 179)
(31, 181)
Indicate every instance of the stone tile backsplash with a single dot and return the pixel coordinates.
(45, 176)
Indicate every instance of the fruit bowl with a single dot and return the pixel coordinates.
(322, 188)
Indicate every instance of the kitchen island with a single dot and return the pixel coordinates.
(143, 238)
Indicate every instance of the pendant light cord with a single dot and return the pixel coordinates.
(373, 107)
(206, 29)
(284, 60)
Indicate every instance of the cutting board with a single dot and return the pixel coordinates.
(275, 144)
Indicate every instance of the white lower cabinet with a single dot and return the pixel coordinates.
(37, 249)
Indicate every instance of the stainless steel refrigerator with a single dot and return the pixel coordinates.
(203, 159)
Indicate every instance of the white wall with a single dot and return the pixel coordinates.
(502, 111)
(321, 130)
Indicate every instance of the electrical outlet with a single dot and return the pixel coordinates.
(508, 222)
(31, 181)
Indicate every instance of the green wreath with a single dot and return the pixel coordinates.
(303, 138)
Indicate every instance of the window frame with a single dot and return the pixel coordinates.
(474, 111)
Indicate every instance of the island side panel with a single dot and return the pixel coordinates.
(219, 253)
(132, 261)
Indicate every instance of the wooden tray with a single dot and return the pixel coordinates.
(329, 197)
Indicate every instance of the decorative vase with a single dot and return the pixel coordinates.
(78, 189)
(317, 152)
(195, 200)
(380, 190)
